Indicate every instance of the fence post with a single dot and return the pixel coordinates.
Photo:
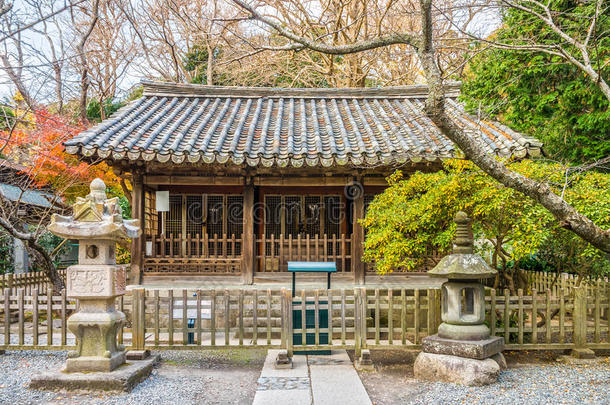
(7, 318)
(357, 323)
(284, 356)
(10, 282)
(364, 312)
(138, 350)
(134, 318)
(579, 315)
(288, 298)
(284, 334)
(363, 354)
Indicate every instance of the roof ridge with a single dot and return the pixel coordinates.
(155, 88)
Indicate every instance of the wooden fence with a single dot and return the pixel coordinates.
(543, 281)
(359, 318)
(28, 281)
(35, 320)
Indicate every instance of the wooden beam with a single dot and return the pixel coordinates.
(193, 180)
(375, 181)
(137, 244)
(358, 239)
(302, 181)
(247, 247)
(265, 181)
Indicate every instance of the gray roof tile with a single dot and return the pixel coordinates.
(268, 126)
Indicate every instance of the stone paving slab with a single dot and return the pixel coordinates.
(335, 381)
(281, 397)
(283, 383)
(327, 379)
(337, 358)
(283, 386)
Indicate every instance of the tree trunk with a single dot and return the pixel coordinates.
(47, 265)
(540, 192)
(209, 70)
(84, 76)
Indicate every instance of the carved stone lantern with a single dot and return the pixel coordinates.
(96, 280)
(463, 350)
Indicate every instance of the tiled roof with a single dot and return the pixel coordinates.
(27, 196)
(286, 127)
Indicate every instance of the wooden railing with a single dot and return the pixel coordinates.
(274, 252)
(357, 318)
(28, 281)
(193, 254)
(33, 320)
(542, 281)
(202, 246)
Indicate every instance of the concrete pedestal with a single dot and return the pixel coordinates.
(123, 379)
(282, 361)
(365, 362)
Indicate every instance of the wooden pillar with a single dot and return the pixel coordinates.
(247, 246)
(358, 235)
(137, 244)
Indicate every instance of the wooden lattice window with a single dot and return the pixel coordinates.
(332, 215)
(304, 215)
(312, 215)
(235, 215)
(194, 215)
(292, 215)
(273, 215)
(368, 199)
(235, 219)
(173, 221)
(215, 215)
(200, 214)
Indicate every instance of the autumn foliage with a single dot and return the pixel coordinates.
(36, 142)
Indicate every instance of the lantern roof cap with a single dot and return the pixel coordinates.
(95, 217)
(463, 264)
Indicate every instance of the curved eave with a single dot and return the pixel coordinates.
(278, 161)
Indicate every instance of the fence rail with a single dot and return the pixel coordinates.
(357, 318)
(28, 281)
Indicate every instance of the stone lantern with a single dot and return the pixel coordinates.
(463, 350)
(96, 281)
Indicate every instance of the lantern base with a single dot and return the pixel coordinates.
(454, 369)
(473, 349)
(123, 379)
(463, 332)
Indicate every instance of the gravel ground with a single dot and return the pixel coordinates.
(529, 380)
(184, 377)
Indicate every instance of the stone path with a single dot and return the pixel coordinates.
(313, 379)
